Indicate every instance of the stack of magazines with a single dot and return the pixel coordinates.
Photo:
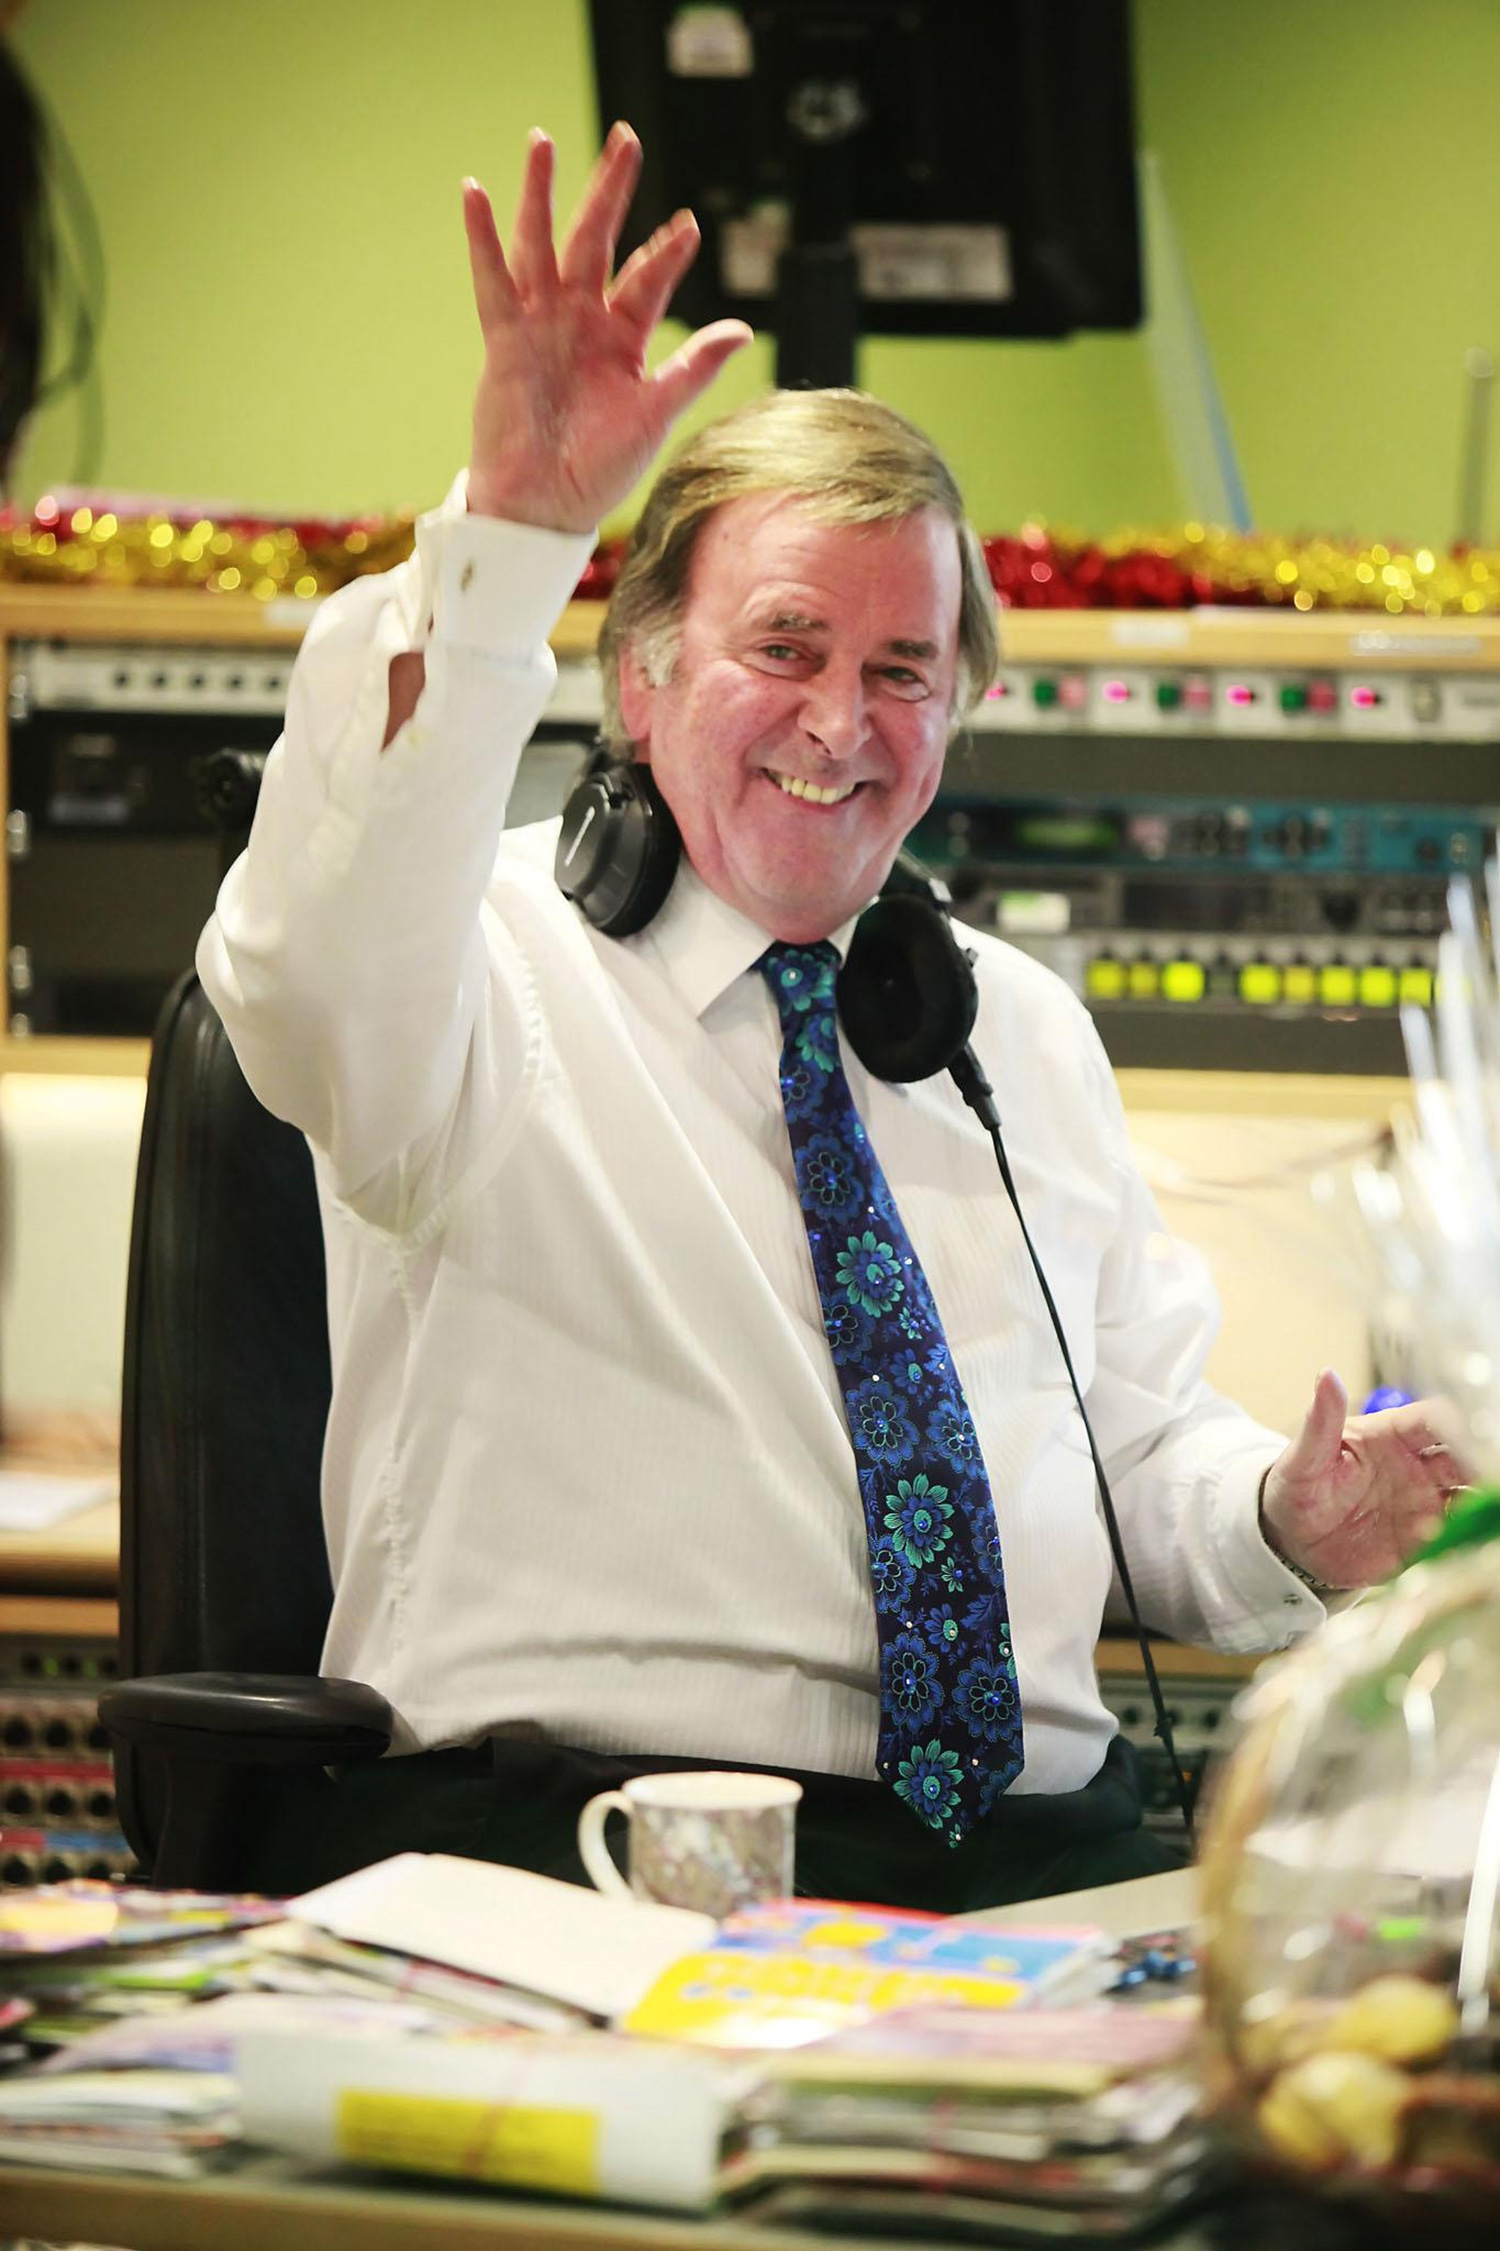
(809, 2061)
(1039, 2124)
(85, 1961)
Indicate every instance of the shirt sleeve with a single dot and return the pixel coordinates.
(347, 953)
(1184, 1464)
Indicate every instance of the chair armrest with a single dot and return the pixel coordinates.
(250, 1719)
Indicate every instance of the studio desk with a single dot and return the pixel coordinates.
(266, 2203)
(269, 2204)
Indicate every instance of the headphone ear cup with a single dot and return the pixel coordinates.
(618, 849)
(907, 998)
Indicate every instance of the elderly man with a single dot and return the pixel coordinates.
(694, 1399)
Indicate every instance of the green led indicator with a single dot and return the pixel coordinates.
(1183, 980)
(1168, 695)
(1293, 697)
(1044, 694)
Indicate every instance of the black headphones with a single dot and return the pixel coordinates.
(618, 851)
(906, 992)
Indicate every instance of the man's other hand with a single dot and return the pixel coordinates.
(1354, 1495)
(567, 418)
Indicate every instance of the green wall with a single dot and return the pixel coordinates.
(288, 320)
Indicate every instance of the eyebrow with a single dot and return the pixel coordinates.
(797, 621)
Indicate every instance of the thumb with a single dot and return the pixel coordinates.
(1315, 1448)
(688, 373)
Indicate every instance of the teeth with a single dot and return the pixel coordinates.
(810, 790)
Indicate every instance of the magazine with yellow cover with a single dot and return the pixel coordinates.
(796, 1970)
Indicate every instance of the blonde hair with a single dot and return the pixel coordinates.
(849, 460)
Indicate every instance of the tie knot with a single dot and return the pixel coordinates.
(801, 978)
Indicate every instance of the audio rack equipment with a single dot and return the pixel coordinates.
(57, 1799)
(1199, 1705)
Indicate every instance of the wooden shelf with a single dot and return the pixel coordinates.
(179, 615)
(1174, 1660)
(1256, 1094)
(57, 1057)
(176, 614)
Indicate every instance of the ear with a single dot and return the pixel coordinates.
(637, 702)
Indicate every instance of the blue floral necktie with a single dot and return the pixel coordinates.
(950, 1713)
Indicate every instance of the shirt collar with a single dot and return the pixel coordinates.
(704, 944)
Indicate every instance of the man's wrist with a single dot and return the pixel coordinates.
(508, 505)
(1314, 1585)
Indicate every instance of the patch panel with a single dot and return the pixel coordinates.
(71, 1796)
(51, 1856)
(57, 1799)
(1202, 1726)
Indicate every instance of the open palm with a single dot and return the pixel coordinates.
(567, 416)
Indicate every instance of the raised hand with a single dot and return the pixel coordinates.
(567, 417)
(1353, 1495)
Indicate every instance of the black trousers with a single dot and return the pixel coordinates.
(519, 1802)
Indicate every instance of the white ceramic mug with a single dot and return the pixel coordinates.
(715, 1842)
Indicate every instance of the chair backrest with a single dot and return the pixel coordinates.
(223, 1564)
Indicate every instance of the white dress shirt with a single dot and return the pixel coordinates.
(587, 1469)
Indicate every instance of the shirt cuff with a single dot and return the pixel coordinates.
(493, 586)
(1276, 1604)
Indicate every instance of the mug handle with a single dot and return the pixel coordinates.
(593, 1851)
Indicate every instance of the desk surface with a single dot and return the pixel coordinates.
(272, 2204)
(79, 1556)
(63, 1580)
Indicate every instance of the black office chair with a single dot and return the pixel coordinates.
(224, 1581)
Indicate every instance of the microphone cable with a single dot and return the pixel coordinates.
(976, 1090)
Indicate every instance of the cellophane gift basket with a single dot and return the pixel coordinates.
(1351, 1857)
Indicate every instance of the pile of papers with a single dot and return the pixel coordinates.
(810, 2060)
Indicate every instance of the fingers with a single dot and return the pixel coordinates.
(648, 280)
(1448, 1471)
(533, 264)
(690, 370)
(494, 291)
(590, 253)
(1431, 1429)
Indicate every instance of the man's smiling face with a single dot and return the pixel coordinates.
(802, 731)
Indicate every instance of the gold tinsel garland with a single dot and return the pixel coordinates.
(1036, 568)
(232, 555)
